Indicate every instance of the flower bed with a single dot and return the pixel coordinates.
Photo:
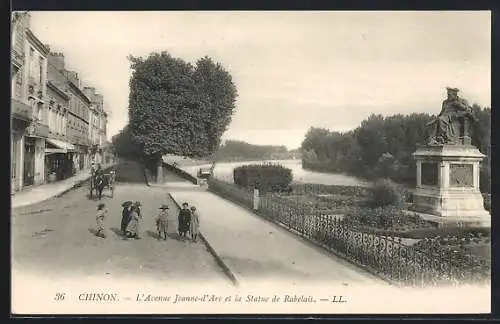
(385, 218)
(461, 250)
(318, 189)
(335, 203)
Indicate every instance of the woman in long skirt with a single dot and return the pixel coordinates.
(125, 216)
(134, 224)
(195, 223)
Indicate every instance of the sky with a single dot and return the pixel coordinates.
(293, 70)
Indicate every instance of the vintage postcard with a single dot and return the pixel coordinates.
(245, 162)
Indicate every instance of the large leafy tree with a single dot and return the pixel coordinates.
(219, 93)
(177, 108)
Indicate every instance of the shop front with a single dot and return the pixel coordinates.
(17, 152)
(59, 163)
(33, 164)
(21, 118)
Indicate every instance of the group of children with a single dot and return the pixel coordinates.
(188, 218)
(189, 221)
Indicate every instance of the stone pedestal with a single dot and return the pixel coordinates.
(448, 184)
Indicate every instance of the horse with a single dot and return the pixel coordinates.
(99, 183)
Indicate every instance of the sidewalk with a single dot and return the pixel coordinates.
(257, 251)
(49, 190)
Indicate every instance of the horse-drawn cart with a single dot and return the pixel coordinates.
(99, 181)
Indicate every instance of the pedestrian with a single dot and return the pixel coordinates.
(184, 219)
(195, 224)
(162, 222)
(133, 226)
(125, 216)
(100, 217)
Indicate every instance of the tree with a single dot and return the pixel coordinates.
(176, 108)
(239, 150)
(481, 137)
(219, 95)
(372, 140)
(124, 146)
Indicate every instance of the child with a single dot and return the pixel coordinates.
(101, 215)
(195, 224)
(162, 222)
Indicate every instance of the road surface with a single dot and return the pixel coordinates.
(55, 239)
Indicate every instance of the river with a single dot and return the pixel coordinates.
(224, 171)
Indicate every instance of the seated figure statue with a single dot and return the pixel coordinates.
(446, 128)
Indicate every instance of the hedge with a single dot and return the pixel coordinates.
(265, 177)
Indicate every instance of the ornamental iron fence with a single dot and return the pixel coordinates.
(386, 256)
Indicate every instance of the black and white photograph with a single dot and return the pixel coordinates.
(250, 162)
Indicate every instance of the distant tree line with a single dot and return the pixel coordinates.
(233, 150)
(382, 147)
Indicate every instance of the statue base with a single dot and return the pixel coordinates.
(448, 183)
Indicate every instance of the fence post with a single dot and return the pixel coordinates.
(256, 199)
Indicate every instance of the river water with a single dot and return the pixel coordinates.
(224, 171)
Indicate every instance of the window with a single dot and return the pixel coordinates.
(19, 76)
(40, 70)
(50, 120)
(32, 63)
(54, 116)
(19, 36)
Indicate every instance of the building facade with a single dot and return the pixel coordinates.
(96, 121)
(59, 152)
(21, 111)
(54, 123)
(78, 121)
(36, 88)
(29, 117)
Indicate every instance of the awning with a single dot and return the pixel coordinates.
(60, 146)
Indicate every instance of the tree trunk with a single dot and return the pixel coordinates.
(159, 170)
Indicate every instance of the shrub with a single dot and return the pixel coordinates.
(385, 193)
(265, 177)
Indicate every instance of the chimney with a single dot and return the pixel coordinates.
(73, 77)
(57, 60)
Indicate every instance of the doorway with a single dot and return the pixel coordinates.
(29, 162)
